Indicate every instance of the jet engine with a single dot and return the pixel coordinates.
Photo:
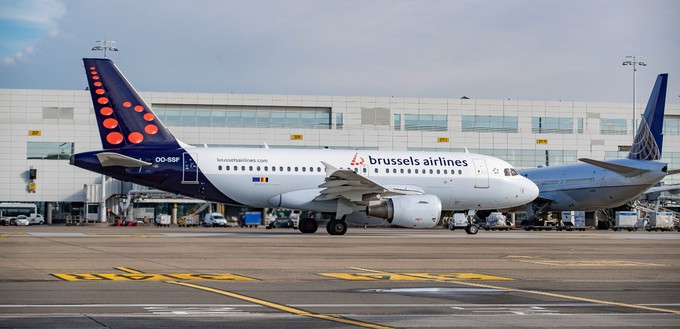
(416, 211)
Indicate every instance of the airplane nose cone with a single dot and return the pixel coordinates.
(530, 190)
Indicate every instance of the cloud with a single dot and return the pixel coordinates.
(24, 24)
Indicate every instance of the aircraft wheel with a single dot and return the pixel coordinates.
(471, 229)
(308, 225)
(336, 227)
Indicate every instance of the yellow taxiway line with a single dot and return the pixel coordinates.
(281, 307)
(535, 292)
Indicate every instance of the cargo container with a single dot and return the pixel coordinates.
(660, 221)
(626, 220)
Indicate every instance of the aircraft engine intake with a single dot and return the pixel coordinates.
(416, 211)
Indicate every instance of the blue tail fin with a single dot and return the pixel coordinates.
(648, 141)
(124, 119)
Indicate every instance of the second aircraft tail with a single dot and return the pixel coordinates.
(648, 141)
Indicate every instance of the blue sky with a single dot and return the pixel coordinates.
(539, 50)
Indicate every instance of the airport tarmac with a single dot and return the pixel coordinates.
(148, 277)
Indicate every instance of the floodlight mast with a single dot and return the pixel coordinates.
(105, 45)
(634, 61)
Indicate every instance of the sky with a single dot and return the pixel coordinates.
(512, 49)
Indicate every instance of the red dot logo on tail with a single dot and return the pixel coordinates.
(114, 138)
(135, 137)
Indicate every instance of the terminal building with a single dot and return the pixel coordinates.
(40, 129)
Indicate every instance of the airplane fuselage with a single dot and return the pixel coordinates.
(263, 177)
(587, 187)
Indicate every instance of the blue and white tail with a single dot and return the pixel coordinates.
(648, 141)
(124, 119)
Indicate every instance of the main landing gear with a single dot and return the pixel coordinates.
(333, 227)
(336, 227)
(308, 225)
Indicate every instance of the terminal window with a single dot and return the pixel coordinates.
(613, 126)
(244, 116)
(49, 150)
(483, 123)
(548, 125)
(671, 125)
(425, 122)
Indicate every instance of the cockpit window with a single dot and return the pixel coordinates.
(510, 172)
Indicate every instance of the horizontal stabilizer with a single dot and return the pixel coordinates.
(619, 169)
(110, 159)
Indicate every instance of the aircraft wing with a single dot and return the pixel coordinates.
(345, 183)
(619, 169)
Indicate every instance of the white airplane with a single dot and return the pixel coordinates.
(594, 184)
(406, 188)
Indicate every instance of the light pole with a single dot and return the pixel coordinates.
(634, 61)
(105, 45)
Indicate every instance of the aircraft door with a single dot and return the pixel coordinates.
(189, 169)
(481, 173)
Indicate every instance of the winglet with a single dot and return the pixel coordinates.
(648, 141)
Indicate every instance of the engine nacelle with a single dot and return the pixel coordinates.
(417, 211)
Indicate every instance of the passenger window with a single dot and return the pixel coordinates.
(394, 170)
(258, 168)
(243, 168)
(226, 168)
(387, 170)
(281, 168)
(219, 168)
(408, 171)
(296, 169)
(416, 171)
(250, 168)
(460, 172)
(446, 171)
(289, 169)
(365, 170)
(235, 168)
(431, 171)
(438, 171)
(304, 169)
(375, 170)
(273, 168)
(401, 170)
(318, 169)
(356, 170)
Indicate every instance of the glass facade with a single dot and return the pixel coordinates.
(339, 121)
(425, 122)
(613, 126)
(397, 121)
(548, 125)
(49, 150)
(483, 123)
(532, 158)
(245, 116)
(671, 125)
